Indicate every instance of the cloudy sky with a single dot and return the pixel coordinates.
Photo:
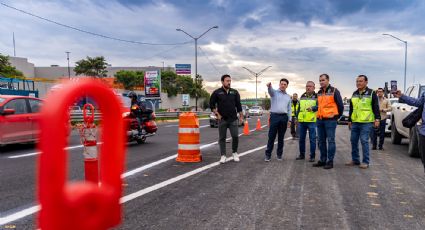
(299, 39)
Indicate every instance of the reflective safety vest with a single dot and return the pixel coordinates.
(327, 105)
(294, 108)
(304, 115)
(362, 108)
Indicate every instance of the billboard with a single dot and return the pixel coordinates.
(152, 84)
(183, 69)
(185, 99)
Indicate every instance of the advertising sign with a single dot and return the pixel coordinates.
(185, 99)
(152, 84)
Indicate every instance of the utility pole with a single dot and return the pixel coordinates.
(69, 70)
(14, 46)
(196, 60)
(256, 75)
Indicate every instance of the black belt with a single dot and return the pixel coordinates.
(280, 114)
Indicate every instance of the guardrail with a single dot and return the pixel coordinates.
(78, 116)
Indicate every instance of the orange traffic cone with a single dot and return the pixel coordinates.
(258, 124)
(246, 129)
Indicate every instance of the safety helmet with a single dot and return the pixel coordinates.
(132, 94)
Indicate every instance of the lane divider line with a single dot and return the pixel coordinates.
(34, 209)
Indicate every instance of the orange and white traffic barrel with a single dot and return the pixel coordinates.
(189, 138)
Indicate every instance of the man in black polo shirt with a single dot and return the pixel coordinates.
(225, 102)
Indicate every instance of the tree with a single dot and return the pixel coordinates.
(7, 70)
(130, 79)
(168, 83)
(94, 67)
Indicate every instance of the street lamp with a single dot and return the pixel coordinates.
(196, 59)
(67, 57)
(405, 56)
(256, 75)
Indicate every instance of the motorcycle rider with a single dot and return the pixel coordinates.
(137, 108)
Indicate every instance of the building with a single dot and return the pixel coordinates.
(55, 72)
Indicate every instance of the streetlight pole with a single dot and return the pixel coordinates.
(196, 60)
(405, 57)
(69, 70)
(256, 75)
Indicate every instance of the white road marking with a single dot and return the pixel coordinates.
(36, 208)
(173, 180)
(36, 153)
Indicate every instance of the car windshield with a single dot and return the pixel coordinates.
(392, 101)
(75, 108)
(422, 90)
(255, 107)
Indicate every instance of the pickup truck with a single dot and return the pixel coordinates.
(400, 111)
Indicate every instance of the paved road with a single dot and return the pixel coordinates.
(251, 194)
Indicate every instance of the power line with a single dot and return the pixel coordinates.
(92, 33)
(218, 71)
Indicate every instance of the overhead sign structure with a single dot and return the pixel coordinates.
(152, 84)
(185, 99)
(183, 69)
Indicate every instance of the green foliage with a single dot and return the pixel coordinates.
(7, 70)
(94, 67)
(130, 79)
(175, 84)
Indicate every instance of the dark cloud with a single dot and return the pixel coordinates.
(328, 11)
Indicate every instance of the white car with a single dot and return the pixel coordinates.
(256, 111)
(388, 121)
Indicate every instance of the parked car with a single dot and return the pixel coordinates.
(256, 111)
(389, 114)
(19, 117)
(343, 120)
(214, 120)
(245, 109)
(400, 111)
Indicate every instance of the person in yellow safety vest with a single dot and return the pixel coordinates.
(294, 107)
(306, 118)
(364, 114)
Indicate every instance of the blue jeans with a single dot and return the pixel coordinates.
(303, 127)
(374, 137)
(360, 131)
(326, 130)
(278, 125)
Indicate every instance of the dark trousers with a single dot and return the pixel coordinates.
(326, 130)
(222, 133)
(303, 127)
(422, 148)
(278, 125)
(294, 128)
(374, 136)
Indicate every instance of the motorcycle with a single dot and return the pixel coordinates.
(147, 127)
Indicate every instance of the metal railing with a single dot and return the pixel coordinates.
(78, 116)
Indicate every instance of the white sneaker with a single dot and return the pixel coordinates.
(235, 157)
(223, 159)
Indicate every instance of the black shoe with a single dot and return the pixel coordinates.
(329, 165)
(300, 158)
(319, 164)
(380, 148)
(374, 148)
(311, 160)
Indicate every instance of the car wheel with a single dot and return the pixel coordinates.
(413, 143)
(395, 135)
